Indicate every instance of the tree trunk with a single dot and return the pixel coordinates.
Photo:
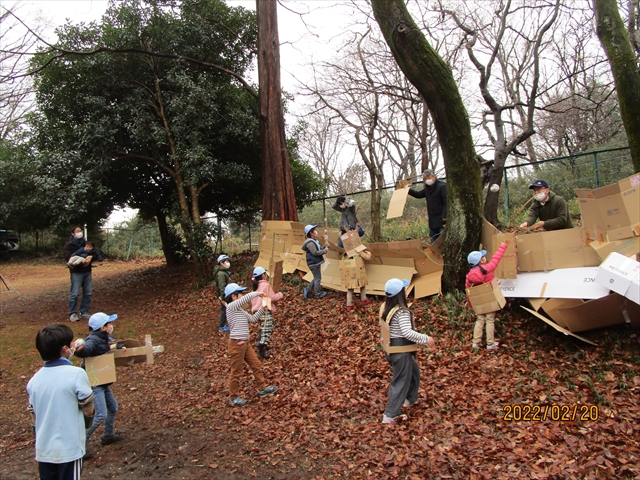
(278, 197)
(426, 70)
(491, 201)
(616, 44)
(377, 182)
(165, 238)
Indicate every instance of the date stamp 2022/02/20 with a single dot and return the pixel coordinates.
(542, 413)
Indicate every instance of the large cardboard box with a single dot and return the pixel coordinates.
(562, 283)
(352, 243)
(101, 369)
(491, 240)
(621, 275)
(353, 273)
(556, 249)
(590, 214)
(486, 298)
(628, 247)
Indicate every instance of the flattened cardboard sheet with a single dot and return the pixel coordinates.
(561, 283)
(607, 311)
(427, 285)
(557, 327)
(397, 203)
(101, 369)
(491, 240)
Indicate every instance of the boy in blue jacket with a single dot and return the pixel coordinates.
(97, 343)
(89, 250)
(314, 260)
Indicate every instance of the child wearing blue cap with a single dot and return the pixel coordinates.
(221, 276)
(405, 382)
(239, 349)
(315, 260)
(261, 284)
(97, 343)
(482, 272)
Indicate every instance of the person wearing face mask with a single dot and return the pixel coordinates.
(80, 275)
(551, 209)
(435, 193)
(348, 219)
(97, 343)
(221, 276)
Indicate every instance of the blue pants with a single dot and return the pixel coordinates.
(106, 407)
(317, 277)
(223, 315)
(79, 280)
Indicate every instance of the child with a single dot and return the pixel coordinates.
(314, 260)
(79, 255)
(239, 349)
(59, 398)
(403, 391)
(97, 343)
(366, 255)
(221, 276)
(348, 219)
(482, 272)
(261, 284)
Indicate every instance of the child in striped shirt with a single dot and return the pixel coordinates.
(403, 391)
(239, 348)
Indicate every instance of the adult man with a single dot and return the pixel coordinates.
(435, 192)
(80, 276)
(551, 209)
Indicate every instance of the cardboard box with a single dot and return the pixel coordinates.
(136, 352)
(486, 298)
(385, 341)
(398, 201)
(556, 326)
(491, 239)
(628, 247)
(556, 249)
(562, 283)
(590, 214)
(427, 285)
(101, 369)
(353, 273)
(352, 243)
(620, 274)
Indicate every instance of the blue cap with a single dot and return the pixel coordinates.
(539, 183)
(308, 228)
(394, 286)
(233, 288)
(474, 257)
(258, 271)
(222, 258)
(100, 319)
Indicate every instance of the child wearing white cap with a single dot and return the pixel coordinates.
(405, 382)
(261, 284)
(239, 349)
(315, 260)
(98, 343)
(482, 272)
(221, 275)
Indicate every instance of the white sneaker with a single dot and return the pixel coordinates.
(399, 418)
(85, 315)
(407, 403)
(476, 345)
(493, 346)
(74, 317)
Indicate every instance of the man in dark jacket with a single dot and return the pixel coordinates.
(551, 209)
(435, 192)
(80, 276)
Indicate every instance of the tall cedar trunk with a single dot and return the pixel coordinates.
(626, 75)
(426, 70)
(278, 196)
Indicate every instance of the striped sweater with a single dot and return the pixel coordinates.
(400, 327)
(238, 319)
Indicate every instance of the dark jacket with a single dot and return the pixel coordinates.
(314, 252)
(221, 277)
(348, 220)
(436, 196)
(84, 253)
(73, 245)
(554, 213)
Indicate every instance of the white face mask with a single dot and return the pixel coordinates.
(78, 235)
(226, 264)
(540, 196)
(429, 182)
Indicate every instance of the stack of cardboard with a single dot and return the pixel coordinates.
(281, 240)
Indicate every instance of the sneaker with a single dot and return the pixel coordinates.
(237, 402)
(399, 418)
(305, 293)
(74, 317)
(268, 391)
(261, 351)
(224, 329)
(365, 302)
(407, 403)
(85, 315)
(350, 307)
(493, 346)
(110, 439)
(476, 346)
(323, 294)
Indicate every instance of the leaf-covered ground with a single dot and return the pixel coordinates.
(325, 421)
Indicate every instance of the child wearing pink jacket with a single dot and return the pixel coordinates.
(261, 284)
(482, 272)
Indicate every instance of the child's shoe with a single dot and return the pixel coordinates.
(323, 294)
(268, 391)
(399, 418)
(476, 346)
(237, 402)
(224, 329)
(407, 403)
(493, 346)
(350, 307)
(365, 302)
(261, 351)
(74, 317)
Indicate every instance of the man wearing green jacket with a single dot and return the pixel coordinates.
(551, 209)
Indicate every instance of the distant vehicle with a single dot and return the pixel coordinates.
(9, 241)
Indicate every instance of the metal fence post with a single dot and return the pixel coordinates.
(595, 165)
